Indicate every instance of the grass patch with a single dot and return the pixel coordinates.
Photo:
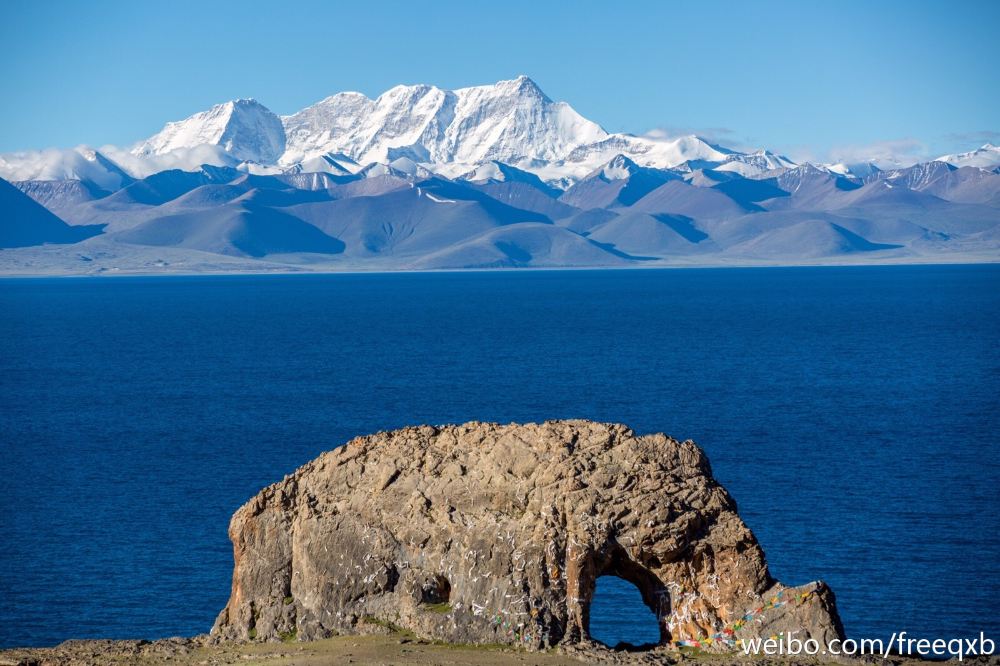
(694, 653)
(288, 636)
(288, 600)
(253, 633)
(391, 626)
(443, 608)
(481, 647)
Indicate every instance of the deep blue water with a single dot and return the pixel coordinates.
(854, 414)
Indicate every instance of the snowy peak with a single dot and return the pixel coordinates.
(984, 157)
(332, 163)
(80, 163)
(472, 133)
(862, 170)
(514, 121)
(243, 128)
(918, 176)
(619, 168)
(622, 168)
(324, 127)
(498, 172)
(808, 177)
(619, 182)
(524, 85)
(509, 121)
(644, 151)
(754, 164)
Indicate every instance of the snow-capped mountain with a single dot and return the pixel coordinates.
(498, 175)
(449, 132)
(618, 182)
(511, 122)
(750, 165)
(334, 163)
(862, 170)
(646, 151)
(918, 176)
(243, 128)
(984, 157)
(80, 163)
(458, 134)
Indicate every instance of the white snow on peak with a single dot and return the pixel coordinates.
(410, 168)
(509, 121)
(80, 163)
(495, 172)
(619, 168)
(489, 171)
(244, 128)
(643, 151)
(986, 156)
(336, 164)
(258, 169)
(498, 132)
(839, 168)
(376, 169)
(750, 165)
(860, 170)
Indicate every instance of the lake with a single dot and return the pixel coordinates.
(852, 412)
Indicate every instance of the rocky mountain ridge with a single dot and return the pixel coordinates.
(448, 132)
(482, 177)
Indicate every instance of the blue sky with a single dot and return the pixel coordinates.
(810, 79)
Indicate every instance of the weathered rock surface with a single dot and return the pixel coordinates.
(484, 533)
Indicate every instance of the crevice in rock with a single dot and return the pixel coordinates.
(437, 590)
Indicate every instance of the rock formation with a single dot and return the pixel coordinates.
(486, 533)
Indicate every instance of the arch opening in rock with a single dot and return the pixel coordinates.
(619, 617)
(632, 597)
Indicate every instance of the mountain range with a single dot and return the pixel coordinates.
(479, 177)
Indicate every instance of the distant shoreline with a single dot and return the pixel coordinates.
(354, 270)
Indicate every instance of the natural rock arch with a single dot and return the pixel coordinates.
(620, 617)
(615, 561)
(485, 533)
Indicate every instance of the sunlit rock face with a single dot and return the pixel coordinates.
(489, 533)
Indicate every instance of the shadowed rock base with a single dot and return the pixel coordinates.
(482, 533)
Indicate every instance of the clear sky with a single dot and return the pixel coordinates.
(810, 79)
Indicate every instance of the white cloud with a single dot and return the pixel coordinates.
(886, 154)
(722, 136)
(186, 159)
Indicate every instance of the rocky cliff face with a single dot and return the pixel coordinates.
(485, 533)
